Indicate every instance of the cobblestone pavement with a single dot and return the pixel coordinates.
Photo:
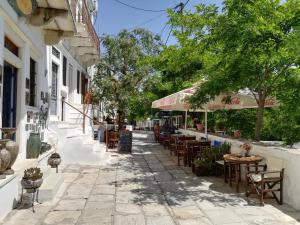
(147, 187)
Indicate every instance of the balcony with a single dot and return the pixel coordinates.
(85, 42)
(52, 16)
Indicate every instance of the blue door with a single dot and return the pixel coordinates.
(9, 107)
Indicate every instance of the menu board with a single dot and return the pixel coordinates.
(125, 141)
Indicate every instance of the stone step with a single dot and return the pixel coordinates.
(46, 171)
(50, 186)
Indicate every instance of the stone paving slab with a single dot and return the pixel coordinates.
(148, 188)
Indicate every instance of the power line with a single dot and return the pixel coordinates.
(186, 3)
(147, 21)
(169, 35)
(137, 8)
(163, 29)
(180, 8)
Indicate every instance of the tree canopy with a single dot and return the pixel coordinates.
(251, 44)
(123, 71)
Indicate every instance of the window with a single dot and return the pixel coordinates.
(11, 46)
(64, 71)
(55, 52)
(78, 81)
(32, 85)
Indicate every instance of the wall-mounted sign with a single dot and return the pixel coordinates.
(23, 8)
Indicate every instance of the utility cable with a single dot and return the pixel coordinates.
(169, 35)
(137, 8)
(163, 29)
(186, 3)
(147, 21)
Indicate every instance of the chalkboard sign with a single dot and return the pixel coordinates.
(125, 141)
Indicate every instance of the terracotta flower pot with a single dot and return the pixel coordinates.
(237, 134)
(200, 126)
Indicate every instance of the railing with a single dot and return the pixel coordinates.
(83, 113)
(81, 14)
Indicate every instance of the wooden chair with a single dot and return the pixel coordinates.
(193, 148)
(261, 182)
(166, 140)
(181, 149)
(156, 131)
(112, 139)
(173, 144)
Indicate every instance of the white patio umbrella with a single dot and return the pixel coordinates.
(178, 101)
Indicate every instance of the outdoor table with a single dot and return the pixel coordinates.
(237, 160)
(8, 132)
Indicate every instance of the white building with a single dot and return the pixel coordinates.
(27, 68)
(71, 66)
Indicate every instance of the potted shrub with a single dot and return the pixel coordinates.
(45, 147)
(54, 160)
(237, 134)
(246, 147)
(200, 126)
(202, 166)
(225, 147)
(32, 178)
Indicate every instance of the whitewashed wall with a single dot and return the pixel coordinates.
(29, 39)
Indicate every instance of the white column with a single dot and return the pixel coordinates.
(185, 120)
(21, 108)
(1, 62)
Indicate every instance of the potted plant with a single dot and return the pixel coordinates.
(237, 134)
(246, 147)
(200, 126)
(32, 178)
(45, 147)
(202, 166)
(54, 160)
(225, 147)
(190, 122)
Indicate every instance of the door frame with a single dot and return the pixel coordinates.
(13, 95)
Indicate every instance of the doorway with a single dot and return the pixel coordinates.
(9, 104)
(53, 97)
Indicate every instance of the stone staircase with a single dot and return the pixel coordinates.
(73, 117)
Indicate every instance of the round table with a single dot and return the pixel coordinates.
(237, 160)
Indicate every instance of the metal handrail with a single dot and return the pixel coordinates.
(98, 123)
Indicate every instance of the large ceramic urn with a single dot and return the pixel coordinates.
(34, 145)
(13, 149)
(5, 161)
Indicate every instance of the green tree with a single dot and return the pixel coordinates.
(124, 70)
(250, 44)
(284, 123)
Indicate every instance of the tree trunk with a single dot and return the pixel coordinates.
(120, 119)
(259, 115)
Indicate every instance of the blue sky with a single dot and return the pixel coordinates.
(113, 16)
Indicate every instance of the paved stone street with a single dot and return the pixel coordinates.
(147, 187)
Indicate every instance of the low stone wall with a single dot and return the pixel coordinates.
(275, 158)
